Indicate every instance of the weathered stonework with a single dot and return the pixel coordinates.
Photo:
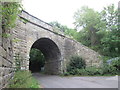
(6, 58)
(38, 34)
(6, 61)
(34, 32)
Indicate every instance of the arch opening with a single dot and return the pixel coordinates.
(37, 60)
(51, 53)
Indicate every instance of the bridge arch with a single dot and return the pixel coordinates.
(52, 54)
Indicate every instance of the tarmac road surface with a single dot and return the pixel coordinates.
(54, 81)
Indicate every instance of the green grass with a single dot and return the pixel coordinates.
(106, 75)
(23, 79)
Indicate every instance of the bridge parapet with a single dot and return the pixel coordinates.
(28, 17)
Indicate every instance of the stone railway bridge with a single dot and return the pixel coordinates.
(56, 48)
(32, 32)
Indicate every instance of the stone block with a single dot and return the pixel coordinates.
(5, 43)
(5, 72)
(0, 61)
(5, 63)
(3, 81)
(0, 37)
(9, 56)
(0, 83)
(9, 71)
(2, 52)
(1, 71)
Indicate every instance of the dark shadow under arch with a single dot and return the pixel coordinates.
(52, 54)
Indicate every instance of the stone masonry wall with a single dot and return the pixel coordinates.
(6, 60)
(20, 43)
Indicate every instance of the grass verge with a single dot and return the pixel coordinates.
(23, 79)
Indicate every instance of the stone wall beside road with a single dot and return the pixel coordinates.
(6, 59)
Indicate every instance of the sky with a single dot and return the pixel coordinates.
(62, 10)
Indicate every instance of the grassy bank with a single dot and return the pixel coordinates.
(23, 79)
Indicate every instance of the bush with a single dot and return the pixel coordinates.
(77, 66)
(115, 67)
(94, 71)
(66, 73)
(76, 62)
(23, 79)
(116, 64)
(105, 68)
(112, 68)
(81, 72)
(89, 71)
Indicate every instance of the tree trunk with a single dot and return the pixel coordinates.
(93, 37)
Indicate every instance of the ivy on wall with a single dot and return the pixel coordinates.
(8, 15)
(10, 11)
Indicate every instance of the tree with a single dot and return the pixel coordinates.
(100, 30)
(111, 41)
(90, 21)
(58, 26)
(110, 17)
(37, 60)
(62, 28)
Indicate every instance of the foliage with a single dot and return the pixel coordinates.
(77, 66)
(58, 26)
(111, 68)
(89, 71)
(116, 63)
(72, 33)
(65, 74)
(76, 62)
(99, 30)
(115, 66)
(5, 35)
(109, 15)
(10, 11)
(37, 57)
(90, 21)
(64, 29)
(86, 17)
(23, 79)
(8, 15)
(84, 37)
(110, 42)
(106, 69)
(37, 60)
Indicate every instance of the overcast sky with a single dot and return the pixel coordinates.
(62, 10)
